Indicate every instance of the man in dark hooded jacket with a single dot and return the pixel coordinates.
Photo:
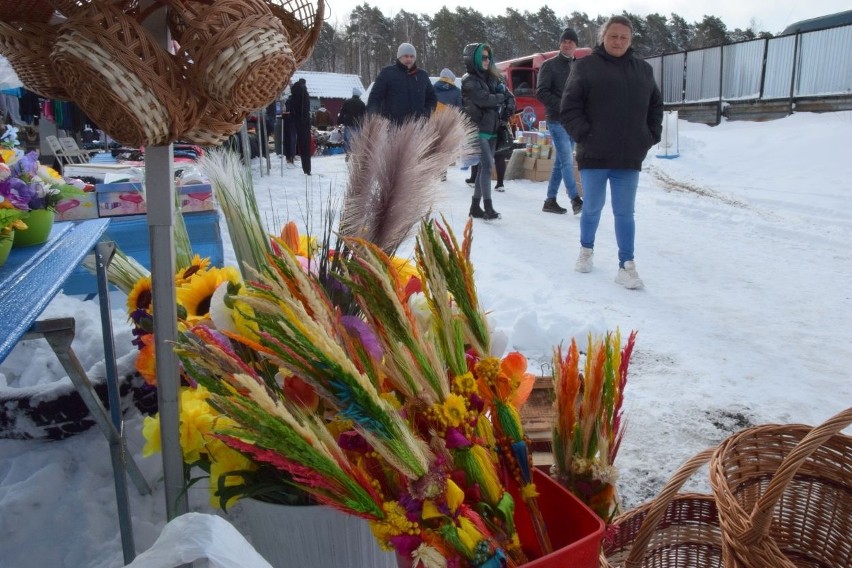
(302, 121)
(402, 90)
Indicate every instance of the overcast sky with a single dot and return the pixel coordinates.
(768, 15)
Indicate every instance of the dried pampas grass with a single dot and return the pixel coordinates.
(393, 170)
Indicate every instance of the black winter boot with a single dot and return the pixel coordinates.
(489, 211)
(475, 210)
(474, 171)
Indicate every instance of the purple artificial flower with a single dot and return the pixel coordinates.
(455, 439)
(354, 442)
(18, 192)
(28, 165)
(358, 327)
(476, 403)
(405, 544)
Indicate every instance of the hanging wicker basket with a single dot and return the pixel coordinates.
(675, 530)
(784, 494)
(303, 22)
(27, 46)
(20, 11)
(121, 78)
(215, 125)
(240, 53)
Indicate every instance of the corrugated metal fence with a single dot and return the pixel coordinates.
(812, 64)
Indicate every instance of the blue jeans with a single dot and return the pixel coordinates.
(563, 166)
(348, 133)
(623, 185)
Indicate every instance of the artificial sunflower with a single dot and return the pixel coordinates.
(196, 294)
(197, 265)
(141, 296)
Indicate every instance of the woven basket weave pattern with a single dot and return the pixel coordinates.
(303, 23)
(240, 51)
(27, 47)
(19, 11)
(122, 79)
(784, 494)
(675, 530)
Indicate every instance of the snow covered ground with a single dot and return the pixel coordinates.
(746, 318)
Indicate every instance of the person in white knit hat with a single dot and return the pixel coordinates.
(402, 90)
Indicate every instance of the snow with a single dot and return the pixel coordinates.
(746, 318)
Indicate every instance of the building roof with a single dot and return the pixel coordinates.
(328, 85)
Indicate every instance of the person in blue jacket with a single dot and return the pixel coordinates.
(446, 91)
(402, 91)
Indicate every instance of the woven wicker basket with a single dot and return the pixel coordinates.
(240, 52)
(303, 23)
(27, 47)
(121, 78)
(25, 11)
(675, 530)
(215, 125)
(784, 494)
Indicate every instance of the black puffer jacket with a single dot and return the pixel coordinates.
(400, 93)
(481, 96)
(613, 109)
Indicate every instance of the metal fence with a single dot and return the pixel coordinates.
(811, 64)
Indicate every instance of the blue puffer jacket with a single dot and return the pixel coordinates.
(448, 94)
(400, 93)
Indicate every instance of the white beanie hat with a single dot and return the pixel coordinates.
(447, 74)
(405, 49)
(356, 92)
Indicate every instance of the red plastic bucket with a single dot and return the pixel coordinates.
(575, 531)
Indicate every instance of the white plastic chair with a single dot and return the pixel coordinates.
(58, 151)
(73, 152)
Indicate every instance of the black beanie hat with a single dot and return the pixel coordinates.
(569, 33)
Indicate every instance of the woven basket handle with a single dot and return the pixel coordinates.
(661, 503)
(761, 515)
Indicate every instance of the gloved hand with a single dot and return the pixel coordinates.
(501, 88)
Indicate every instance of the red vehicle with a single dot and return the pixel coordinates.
(521, 76)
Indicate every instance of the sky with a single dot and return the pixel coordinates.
(768, 15)
(745, 319)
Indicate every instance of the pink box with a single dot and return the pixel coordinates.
(116, 199)
(78, 208)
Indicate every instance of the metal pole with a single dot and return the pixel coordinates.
(159, 187)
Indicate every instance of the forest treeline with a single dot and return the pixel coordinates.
(367, 41)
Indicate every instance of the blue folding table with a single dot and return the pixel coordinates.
(29, 280)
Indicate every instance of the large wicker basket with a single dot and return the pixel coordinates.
(25, 11)
(674, 530)
(784, 494)
(215, 125)
(121, 78)
(303, 22)
(27, 46)
(240, 52)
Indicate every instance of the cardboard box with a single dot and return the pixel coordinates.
(538, 169)
(78, 208)
(102, 173)
(117, 199)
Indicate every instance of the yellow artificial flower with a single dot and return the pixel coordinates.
(394, 524)
(8, 156)
(140, 296)
(196, 265)
(404, 269)
(469, 535)
(196, 294)
(430, 510)
(455, 496)
(454, 410)
(223, 461)
(197, 420)
(151, 432)
(464, 384)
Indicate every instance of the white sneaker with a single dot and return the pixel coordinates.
(584, 261)
(628, 277)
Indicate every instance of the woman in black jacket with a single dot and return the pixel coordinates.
(612, 108)
(484, 98)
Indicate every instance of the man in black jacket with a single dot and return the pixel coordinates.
(350, 116)
(402, 91)
(302, 121)
(551, 82)
(613, 109)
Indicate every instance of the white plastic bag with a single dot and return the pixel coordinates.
(196, 536)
